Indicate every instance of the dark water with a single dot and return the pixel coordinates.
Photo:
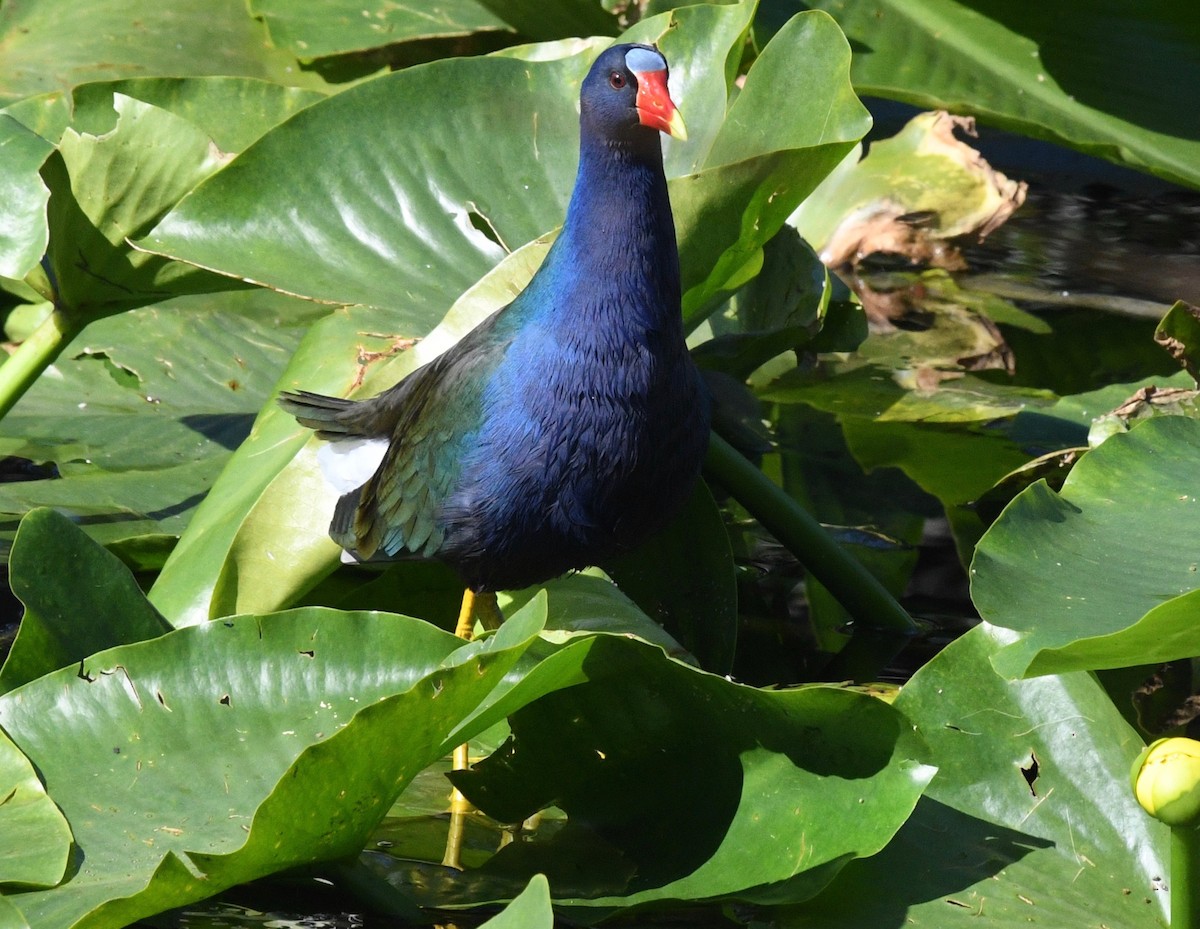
(1081, 247)
(1090, 233)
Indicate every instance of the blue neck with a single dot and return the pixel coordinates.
(620, 233)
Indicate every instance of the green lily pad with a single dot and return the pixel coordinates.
(1029, 819)
(23, 198)
(54, 631)
(37, 839)
(297, 765)
(529, 910)
(11, 915)
(57, 45)
(142, 410)
(107, 188)
(452, 224)
(1048, 568)
(232, 111)
(1111, 83)
(680, 785)
(540, 21)
(311, 31)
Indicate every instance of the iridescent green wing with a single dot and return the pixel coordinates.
(437, 412)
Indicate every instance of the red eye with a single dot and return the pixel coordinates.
(616, 80)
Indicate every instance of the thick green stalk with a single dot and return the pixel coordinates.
(33, 356)
(866, 599)
(1185, 877)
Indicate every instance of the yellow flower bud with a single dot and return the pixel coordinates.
(1166, 780)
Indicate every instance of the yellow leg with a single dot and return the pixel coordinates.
(481, 604)
(465, 629)
(489, 616)
(459, 808)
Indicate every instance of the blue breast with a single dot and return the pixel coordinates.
(594, 423)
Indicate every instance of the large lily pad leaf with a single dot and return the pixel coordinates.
(23, 197)
(541, 22)
(1114, 84)
(459, 193)
(232, 111)
(106, 188)
(1048, 568)
(412, 248)
(762, 163)
(311, 31)
(683, 785)
(56, 45)
(141, 411)
(392, 227)
(529, 910)
(298, 763)
(1029, 818)
(586, 603)
(37, 840)
(54, 630)
(11, 915)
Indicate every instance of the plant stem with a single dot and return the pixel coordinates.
(859, 591)
(1185, 877)
(33, 356)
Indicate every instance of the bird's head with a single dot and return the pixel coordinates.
(625, 94)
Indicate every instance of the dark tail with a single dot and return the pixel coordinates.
(331, 417)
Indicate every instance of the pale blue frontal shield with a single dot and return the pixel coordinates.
(641, 60)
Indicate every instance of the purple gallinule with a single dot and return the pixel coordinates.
(569, 425)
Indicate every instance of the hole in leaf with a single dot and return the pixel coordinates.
(162, 700)
(84, 674)
(224, 701)
(308, 653)
(482, 224)
(1030, 772)
(13, 468)
(122, 374)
